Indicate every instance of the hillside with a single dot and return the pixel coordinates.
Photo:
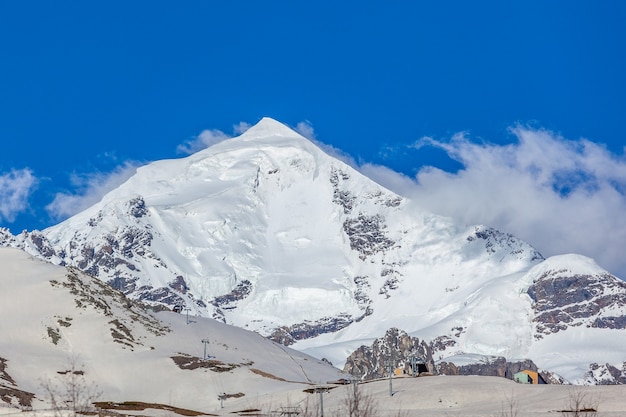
(57, 319)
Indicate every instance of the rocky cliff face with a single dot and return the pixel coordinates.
(9, 393)
(562, 299)
(605, 374)
(122, 255)
(396, 349)
(486, 366)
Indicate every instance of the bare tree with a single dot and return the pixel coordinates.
(309, 408)
(358, 404)
(69, 393)
(509, 406)
(581, 403)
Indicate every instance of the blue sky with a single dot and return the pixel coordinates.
(504, 113)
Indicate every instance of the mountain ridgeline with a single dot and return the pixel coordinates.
(267, 232)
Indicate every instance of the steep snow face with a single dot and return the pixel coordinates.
(249, 231)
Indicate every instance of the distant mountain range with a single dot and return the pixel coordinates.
(269, 233)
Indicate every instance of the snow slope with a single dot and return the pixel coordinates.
(53, 318)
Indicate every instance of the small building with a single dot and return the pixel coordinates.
(522, 378)
(418, 367)
(528, 377)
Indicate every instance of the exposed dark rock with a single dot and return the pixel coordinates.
(125, 285)
(393, 202)
(370, 362)
(90, 293)
(495, 239)
(54, 335)
(9, 392)
(179, 285)
(228, 301)
(366, 234)
(342, 197)
(389, 285)
(6, 237)
(161, 295)
(561, 300)
(93, 221)
(360, 294)
(43, 245)
(442, 343)
(606, 374)
(121, 334)
(610, 322)
(488, 366)
(137, 207)
(188, 362)
(3, 373)
(288, 335)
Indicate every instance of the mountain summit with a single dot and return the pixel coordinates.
(268, 127)
(266, 231)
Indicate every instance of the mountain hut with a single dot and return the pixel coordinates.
(528, 377)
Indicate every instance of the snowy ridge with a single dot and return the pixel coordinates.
(268, 233)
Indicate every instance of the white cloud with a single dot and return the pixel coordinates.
(206, 138)
(561, 196)
(15, 188)
(90, 188)
(241, 127)
(210, 137)
(305, 128)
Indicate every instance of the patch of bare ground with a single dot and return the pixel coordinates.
(192, 362)
(16, 397)
(250, 412)
(267, 374)
(236, 395)
(11, 395)
(140, 406)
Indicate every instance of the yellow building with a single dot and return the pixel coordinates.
(528, 377)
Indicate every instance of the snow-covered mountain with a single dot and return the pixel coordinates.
(58, 319)
(267, 232)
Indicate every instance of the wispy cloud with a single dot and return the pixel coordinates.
(560, 195)
(15, 188)
(241, 127)
(305, 128)
(206, 138)
(89, 189)
(210, 137)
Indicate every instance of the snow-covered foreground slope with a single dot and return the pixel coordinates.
(268, 233)
(448, 396)
(53, 318)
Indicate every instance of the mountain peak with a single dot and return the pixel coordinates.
(268, 127)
